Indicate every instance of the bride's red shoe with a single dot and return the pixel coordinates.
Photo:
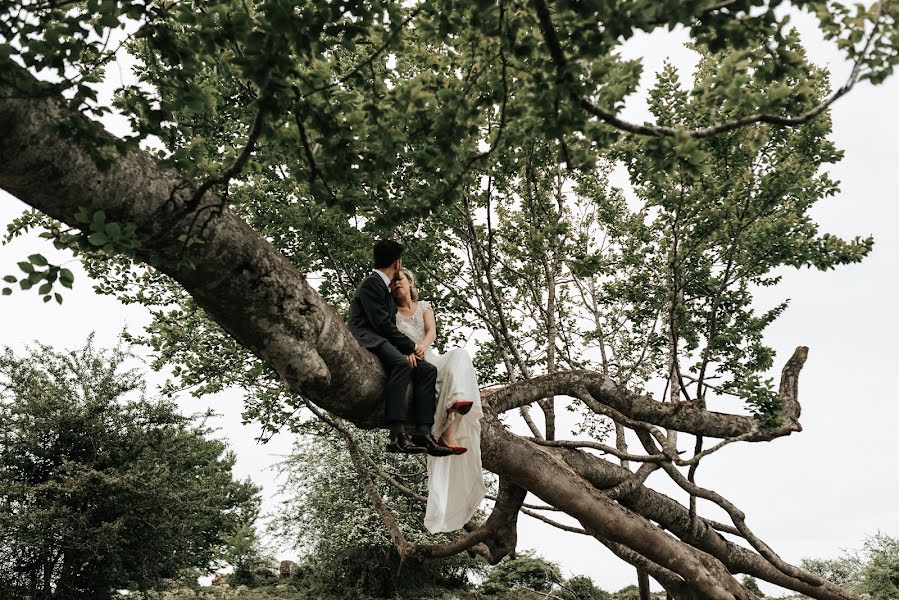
(462, 407)
(455, 449)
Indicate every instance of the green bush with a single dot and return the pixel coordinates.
(582, 587)
(376, 572)
(752, 585)
(525, 570)
(242, 576)
(630, 592)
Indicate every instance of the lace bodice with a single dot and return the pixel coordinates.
(414, 324)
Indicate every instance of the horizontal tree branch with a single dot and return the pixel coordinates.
(680, 416)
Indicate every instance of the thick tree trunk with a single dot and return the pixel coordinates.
(239, 279)
(254, 292)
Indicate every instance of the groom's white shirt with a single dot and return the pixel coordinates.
(384, 277)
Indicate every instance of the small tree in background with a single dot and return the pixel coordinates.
(527, 570)
(245, 552)
(750, 583)
(873, 571)
(880, 576)
(581, 587)
(101, 488)
(630, 592)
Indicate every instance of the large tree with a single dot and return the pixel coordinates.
(325, 124)
(102, 488)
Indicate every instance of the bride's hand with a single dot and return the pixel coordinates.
(420, 352)
(411, 358)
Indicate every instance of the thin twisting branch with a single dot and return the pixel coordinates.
(314, 171)
(625, 456)
(228, 174)
(584, 396)
(396, 534)
(737, 516)
(554, 523)
(526, 505)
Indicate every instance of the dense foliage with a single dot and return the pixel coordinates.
(102, 488)
(525, 570)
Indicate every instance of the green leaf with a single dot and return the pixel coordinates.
(109, 20)
(45, 289)
(98, 239)
(66, 278)
(26, 267)
(7, 291)
(99, 221)
(46, 298)
(9, 279)
(38, 259)
(58, 298)
(113, 230)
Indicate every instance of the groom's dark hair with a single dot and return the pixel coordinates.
(386, 252)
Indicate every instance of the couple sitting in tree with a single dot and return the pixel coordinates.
(387, 318)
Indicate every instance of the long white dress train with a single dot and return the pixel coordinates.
(455, 483)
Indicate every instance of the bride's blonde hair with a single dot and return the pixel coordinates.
(413, 291)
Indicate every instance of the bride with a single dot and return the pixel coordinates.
(455, 483)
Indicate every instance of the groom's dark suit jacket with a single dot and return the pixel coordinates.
(372, 318)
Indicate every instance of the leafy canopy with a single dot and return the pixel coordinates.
(481, 133)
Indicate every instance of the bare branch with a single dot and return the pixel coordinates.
(556, 524)
(606, 397)
(396, 535)
(737, 516)
(624, 456)
(228, 174)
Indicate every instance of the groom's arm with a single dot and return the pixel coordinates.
(372, 300)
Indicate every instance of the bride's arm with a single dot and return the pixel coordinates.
(430, 328)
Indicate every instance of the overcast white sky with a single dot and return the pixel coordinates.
(808, 495)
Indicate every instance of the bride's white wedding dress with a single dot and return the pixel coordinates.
(455, 483)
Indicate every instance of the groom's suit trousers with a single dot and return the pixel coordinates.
(399, 374)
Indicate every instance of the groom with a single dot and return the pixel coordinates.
(372, 321)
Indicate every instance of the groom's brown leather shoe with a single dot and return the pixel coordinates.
(398, 442)
(430, 445)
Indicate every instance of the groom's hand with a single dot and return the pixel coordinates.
(420, 352)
